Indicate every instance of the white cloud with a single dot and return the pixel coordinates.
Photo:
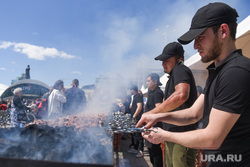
(5, 45)
(77, 72)
(35, 52)
(3, 69)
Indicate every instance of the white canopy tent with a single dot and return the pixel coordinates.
(3, 88)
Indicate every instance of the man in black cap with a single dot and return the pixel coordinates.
(224, 105)
(155, 98)
(180, 93)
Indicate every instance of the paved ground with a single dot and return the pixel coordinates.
(124, 159)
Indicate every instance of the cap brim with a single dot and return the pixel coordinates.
(163, 57)
(191, 35)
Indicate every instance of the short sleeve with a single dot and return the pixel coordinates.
(233, 92)
(139, 99)
(158, 98)
(182, 75)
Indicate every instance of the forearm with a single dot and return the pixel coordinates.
(187, 116)
(173, 102)
(137, 112)
(179, 118)
(197, 139)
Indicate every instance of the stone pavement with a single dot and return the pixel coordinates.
(124, 159)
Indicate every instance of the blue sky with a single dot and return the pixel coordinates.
(68, 39)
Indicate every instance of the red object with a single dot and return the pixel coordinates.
(3, 106)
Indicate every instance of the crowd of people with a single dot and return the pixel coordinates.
(53, 104)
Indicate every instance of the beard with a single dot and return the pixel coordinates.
(213, 52)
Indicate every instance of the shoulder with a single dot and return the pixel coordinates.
(181, 69)
(158, 90)
(80, 90)
(56, 92)
(138, 97)
(16, 98)
(182, 74)
(242, 62)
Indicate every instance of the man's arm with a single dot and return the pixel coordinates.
(220, 124)
(180, 95)
(179, 118)
(157, 104)
(138, 110)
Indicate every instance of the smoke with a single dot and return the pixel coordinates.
(60, 144)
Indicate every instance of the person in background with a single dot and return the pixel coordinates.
(33, 108)
(17, 114)
(76, 100)
(144, 98)
(56, 100)
(43, 106)
(136, 113)
(155, 98)
(224, 105)
(126, 103)
(180, 93)
(199, 90)
(3, 105)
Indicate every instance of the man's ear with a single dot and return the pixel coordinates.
(181, 60)
(155, 82)
(224, 30)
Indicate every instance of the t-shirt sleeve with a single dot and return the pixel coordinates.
(139, 99)
(233, 93)
(182, 75)
(158, 97)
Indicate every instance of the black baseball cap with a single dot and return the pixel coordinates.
(134, 87)
(170, 50)
(155, 77)
(212, 14)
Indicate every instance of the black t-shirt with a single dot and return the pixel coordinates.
(19, 104)
(137, 99)
(227, 89)
(181, 74)
(154, 97)
(76, 100)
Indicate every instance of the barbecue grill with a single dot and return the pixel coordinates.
(121, 123)
(45, 146)
(94, 142)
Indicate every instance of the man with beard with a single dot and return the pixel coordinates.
(224, 106)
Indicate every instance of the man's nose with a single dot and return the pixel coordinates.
(196, 44)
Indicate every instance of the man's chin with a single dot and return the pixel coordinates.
(205, 60)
